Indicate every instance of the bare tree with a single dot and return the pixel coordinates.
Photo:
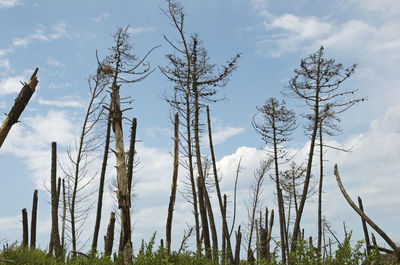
(174, 184)
(275, 123)
(54, 237)
(122, 67)
(255, 198)
(78, 175)
(317, 83)
(195, 80)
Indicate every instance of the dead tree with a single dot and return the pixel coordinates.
(101, 186)
(33, 219)
(77, 174)
(121, 66)
(390, 242)
(364, 225)
(109, 237)
(24, 228)
(19, 105)
(317, 84)
(237, 248)
(276, 123)
(195, 80)
(255, 198)
(173, 185)
(64, 216)
(55, 237)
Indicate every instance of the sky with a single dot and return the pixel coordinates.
(61, 38)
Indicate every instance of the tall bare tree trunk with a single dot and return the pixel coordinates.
(19, 105)
(321, 175)
(24, 228)
(214, 236)
(101, 186)
(55, 237)
(221, 205)
(174, 184)
(131, 154)
(33, 219)
(64, 216)
(364, 225)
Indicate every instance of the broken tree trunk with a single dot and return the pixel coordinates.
(238, 243)
(173, 185)
(33, 219)
(109, 237)
(395, 248)
(19, 105)
(24, 228)
(55, 237)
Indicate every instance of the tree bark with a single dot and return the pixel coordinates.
(55, 237)
(321, 176)
(19, 105)
(364, 225)
(131, 155)
(33, 219)
(214, 236)
(393, 245)
(64, 216)
(24, 228)
(174, 185)
(221, 205)
(101, 187)
(238, 243)
(109, 237)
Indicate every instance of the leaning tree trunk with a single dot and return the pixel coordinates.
(393, 245)
(214, 236)
(19, 105)
(109, 237)
(101, 187)
(174, 185)
(217, 188)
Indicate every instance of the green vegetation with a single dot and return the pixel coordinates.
(346, 254)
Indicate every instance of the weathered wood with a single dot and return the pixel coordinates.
(109, 237)
(19, 105)
(33, 219)
(237, 249)
(101, 187)
(364, 225)
(173, 185)
(24, 228)
(55, 237)
(393, 245)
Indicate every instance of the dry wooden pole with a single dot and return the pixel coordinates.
(33, 219)
(24, 228)
(55, 237)
(393, 245)
(173, 185)
(109, 237)
(19, 105)
(364, 225)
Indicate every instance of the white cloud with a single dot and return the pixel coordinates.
(139, 30)
(42, 34)
(52, 61)
(5, 51)
(222, 134)
(101, 17)
(10, 85)
(9, 3)
(67, 101)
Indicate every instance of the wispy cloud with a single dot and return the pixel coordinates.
(139, 30)
(101, 17)
(61, 102)
(42, 34)
(5, 63)
(52, 61)
(5, 51)
(9, 3)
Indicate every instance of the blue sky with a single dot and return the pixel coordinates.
(61, 38)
